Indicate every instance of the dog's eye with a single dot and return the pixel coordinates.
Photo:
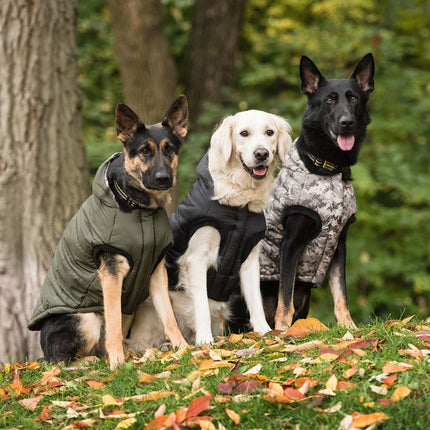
(353, 98)
(270, 132)
(146, 150)
(169, 149)
(330, 100)
(244, 133)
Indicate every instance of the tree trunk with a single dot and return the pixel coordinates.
(43, 171)
(213, 52)
(145, 62)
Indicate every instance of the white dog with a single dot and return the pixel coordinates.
(217, 229)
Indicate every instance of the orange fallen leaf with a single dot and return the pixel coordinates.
(303, 327)
(96, 384)
(233, 415)
(293, 394)
(368, 419)
(277, 388)
(198, 405)
(146, 378)
(390, 380)
(400, 393)
(349, 372)
(395, 368)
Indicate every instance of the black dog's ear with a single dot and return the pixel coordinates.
(177, 117)
(127, 123)
(364, 73)
(310, 76)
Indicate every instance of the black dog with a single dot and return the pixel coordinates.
(312, 202)
(111, 255)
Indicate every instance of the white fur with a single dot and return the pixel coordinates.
(233, 142)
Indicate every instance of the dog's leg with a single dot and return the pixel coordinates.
(337, 281)
(158, 290)
(201, 254)
(299, 229)
(250, 287)
(112, 271)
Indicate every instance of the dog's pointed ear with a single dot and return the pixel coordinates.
(221, 140)
(364, 73)
(311, 78)
(127, 123)
(176, 117)
(284, 137)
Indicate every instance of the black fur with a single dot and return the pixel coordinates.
(336, 107)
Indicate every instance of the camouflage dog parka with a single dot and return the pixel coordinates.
(329, 200)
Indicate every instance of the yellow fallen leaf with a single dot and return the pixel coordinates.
(233, 415)
(206, 425)
(331, 383)
(108, 400)
(125, 424)
(406, 320)
(235, 338)
(400, 393)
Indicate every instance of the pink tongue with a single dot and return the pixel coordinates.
(345, 142)
(259, 171)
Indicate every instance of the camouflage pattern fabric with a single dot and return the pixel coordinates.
(331, 197)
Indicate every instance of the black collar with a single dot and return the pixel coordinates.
(124, 196)
(329, 169)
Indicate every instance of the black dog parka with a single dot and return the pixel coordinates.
(72, 284)
(328, 199)
(239, 228)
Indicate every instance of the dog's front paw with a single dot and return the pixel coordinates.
(262, 328)
(115, 359)
(180, 343)
(203, 340)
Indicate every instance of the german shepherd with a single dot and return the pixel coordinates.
(111, 255)
(312, 202)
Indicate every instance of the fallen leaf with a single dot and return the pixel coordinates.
(378, 390)
(254, 370)
(331, 383)
(400, 393)
(206, 425)
(395, 368)
(293, 394)
(197, 406)
(349, 372)
(368, 419)
(303, 327)
(96, 384)
(108, 400)
(335, 408)
(31, 403)
(160, 411)
(125, 424)
(233, 415)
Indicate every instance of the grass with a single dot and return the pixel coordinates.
(308, 378)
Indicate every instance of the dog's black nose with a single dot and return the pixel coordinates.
(162, 178)
(261, 154)
(346, 122)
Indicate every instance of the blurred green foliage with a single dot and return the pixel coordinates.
(388, 267)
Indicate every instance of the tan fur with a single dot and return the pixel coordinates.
(112, 287)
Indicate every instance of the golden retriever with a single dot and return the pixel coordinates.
(217, 229)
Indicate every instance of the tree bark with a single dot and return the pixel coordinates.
(44, 176)
(213, 52)
(145, 62)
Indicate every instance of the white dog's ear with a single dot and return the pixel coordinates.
(284, 137)
(221, 140)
